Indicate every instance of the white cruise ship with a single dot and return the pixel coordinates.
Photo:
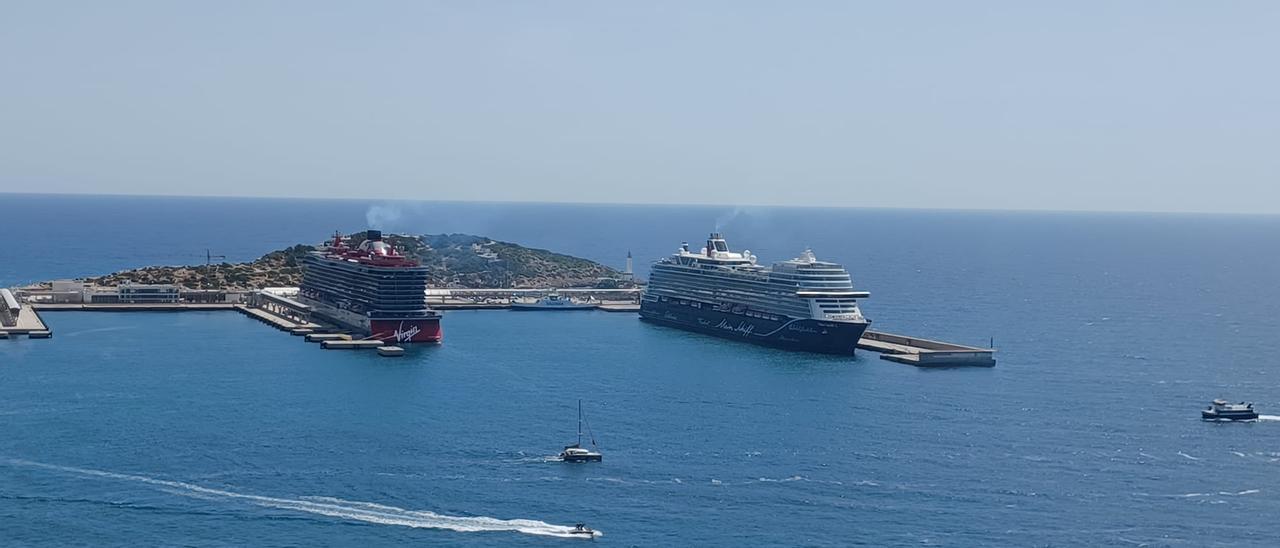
(798, 304)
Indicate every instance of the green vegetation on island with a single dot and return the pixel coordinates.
(452, 261)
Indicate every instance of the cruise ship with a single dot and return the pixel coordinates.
(371, 288)
(798, 304)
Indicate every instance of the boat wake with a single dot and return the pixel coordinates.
(1262, 418)
(1221, 494)
(367, 512)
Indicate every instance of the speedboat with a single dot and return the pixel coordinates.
(582, 529)
(578, 453)
(554, 302)
(1223, 411)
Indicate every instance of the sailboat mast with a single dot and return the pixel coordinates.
(579, 423)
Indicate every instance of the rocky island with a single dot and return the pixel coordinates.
(452, 260)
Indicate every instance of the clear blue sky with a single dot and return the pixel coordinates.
(1165, 106)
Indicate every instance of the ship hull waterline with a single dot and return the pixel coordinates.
(802, 334)
(425, 330)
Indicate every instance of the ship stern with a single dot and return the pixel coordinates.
(403, 331)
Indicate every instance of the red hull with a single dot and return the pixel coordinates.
(426, 330)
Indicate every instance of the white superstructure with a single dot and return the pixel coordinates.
(803, 287)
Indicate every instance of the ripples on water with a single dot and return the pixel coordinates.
(1113, 331)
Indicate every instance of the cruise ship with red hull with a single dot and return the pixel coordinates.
(371, 288)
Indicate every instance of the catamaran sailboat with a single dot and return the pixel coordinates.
(578, 453)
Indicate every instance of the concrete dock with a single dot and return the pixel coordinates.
(99, 307)
(897, 348)
(352, 345)
(28, 322)
(390, 351)
(278, 322)
(925, 352)
(321, 337)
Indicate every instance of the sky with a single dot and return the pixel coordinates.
(1081, 105)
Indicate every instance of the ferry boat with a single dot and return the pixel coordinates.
(1221, 410)
(370, 288)
(553, 302)
(798, 304)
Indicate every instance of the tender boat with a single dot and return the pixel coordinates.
(553, 302)
(578, 453)
(1223, 411)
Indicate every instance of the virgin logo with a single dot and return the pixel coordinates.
(406, 335)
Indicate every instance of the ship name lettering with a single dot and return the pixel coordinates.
(406, 335)
(743, 327)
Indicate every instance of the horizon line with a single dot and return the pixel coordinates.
(652, 204)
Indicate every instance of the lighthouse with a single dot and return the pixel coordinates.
(628, 270)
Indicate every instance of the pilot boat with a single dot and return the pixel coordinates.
(1220, 410)
(578, 453)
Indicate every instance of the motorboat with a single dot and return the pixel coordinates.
(578, 453)
(582, 529)
(554, 301)
(1220, 410)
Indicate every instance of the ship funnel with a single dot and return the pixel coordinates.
(374, 235)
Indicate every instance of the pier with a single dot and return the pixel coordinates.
(925, 352)
(19, 319)
(276, 309)
(124, 307)
(279, 322)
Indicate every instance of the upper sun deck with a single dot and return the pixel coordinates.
(715, 253)
(371, 252)
(811, 277)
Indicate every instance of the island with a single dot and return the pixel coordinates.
(460, 261)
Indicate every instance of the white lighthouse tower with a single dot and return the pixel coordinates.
(628, 271)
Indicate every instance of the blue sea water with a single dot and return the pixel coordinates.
(209, 429)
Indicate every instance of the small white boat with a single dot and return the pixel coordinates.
(553, 301)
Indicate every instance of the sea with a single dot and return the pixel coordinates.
(1112, 331)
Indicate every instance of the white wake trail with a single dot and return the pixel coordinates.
(368, 512)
